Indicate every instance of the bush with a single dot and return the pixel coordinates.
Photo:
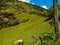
(32, 12)
(7, 20)
(48, 39)
(25, 20)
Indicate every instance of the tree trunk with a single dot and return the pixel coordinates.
(56, 18)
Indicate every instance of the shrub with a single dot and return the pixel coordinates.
(7, 20)
(25, 20)
(48, 39)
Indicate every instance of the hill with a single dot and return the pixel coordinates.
(32, 23)
(22, 9)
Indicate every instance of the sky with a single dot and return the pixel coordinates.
(42, 3)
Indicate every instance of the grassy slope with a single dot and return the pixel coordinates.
(35, 26)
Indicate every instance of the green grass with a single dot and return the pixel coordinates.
(35, 26)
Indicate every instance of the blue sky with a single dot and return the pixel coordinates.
(43, 3)
(46, 3)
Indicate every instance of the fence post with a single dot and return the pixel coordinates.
(56, 18)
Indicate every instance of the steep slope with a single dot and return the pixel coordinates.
(23, 9)
(32, 23)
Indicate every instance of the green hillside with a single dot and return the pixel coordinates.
(32, 23)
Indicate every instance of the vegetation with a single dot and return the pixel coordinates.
(7, 20)
(32, 21)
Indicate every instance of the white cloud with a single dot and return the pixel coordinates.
(33, 3)
(28, 1)
(44, 6)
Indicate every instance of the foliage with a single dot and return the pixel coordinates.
(7, 19)
(49, 39)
